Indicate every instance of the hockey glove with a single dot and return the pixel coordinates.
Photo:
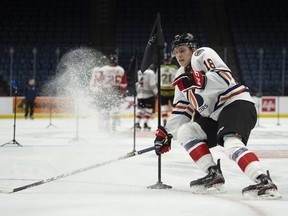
(162, 141)
(190, 80)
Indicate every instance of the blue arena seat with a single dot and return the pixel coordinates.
(255, 25)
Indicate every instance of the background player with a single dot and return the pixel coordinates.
(109, 86)
(146, 95)
(168, 72)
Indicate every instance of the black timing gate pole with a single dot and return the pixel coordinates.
(135, 80)
(159, 184)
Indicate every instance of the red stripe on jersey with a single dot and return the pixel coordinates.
(180, 107)
(124, 83)
(199, 152)
(191, 109)
(246, 159)
(226, 75)
(233, 94)
(124, 80)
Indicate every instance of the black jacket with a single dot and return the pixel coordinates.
(30, 93)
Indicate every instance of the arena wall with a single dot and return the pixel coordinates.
(268, 107)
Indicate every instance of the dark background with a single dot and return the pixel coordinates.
(251, 36)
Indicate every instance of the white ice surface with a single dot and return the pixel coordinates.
(120, 188)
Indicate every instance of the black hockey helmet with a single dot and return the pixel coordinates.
(185, 39)
(113, 59)
(167, 57)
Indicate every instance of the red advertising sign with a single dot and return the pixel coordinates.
(268, 104)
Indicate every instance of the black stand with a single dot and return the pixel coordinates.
(134, 131)
(159, 184)
(76, 138)
(50, 116)
(13, 141)
(278, 110)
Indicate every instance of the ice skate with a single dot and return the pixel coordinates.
(265, 189)
(211, 183)
(137, 127)
(146, 127)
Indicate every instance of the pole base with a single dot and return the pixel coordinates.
(159, 185)
(77, 139)
(14, 142)
(51, 125)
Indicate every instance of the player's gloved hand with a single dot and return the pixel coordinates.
(162, 141)
(190, 80)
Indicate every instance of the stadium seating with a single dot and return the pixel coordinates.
(135, 20)
(258, 29)
(260, 26)
(44, 25)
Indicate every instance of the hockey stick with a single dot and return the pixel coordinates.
(128, 155)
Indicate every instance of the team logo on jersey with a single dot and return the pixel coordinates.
(198, 52)
(202, 108)
(197, 101)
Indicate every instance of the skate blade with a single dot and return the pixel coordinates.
(215, 189)
(270, 194)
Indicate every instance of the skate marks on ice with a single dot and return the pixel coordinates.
(267, 133)
(270, 194)
(123, 185)
(272, 153)
(219, 203)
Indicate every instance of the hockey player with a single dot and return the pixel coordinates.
(168, 72)
(205, 83)
(146, 95)
(97, 88)
(110, 86)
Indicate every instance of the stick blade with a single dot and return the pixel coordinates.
(6, 190)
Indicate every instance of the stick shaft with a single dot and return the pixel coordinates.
(7, 190)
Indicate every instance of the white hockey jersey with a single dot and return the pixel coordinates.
(168, 74)
(220, 90)
(146, 85)
(96, 75)
(107, 77)
(114, 76)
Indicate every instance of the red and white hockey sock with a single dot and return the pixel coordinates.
(248, 163)
(147, 117)
(147, 114)
(164, 115)
(139, 115)
(200, 153)
(246, 160)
